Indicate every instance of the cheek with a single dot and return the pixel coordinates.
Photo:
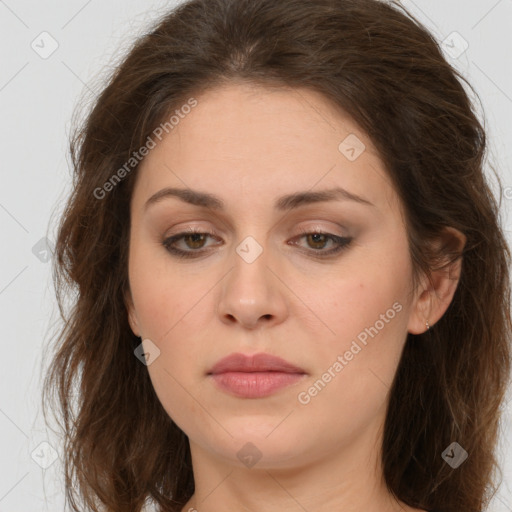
(357, 367)
(163, 297)
(370, 298)
(175, 391)
(369, 317)
(170, 311)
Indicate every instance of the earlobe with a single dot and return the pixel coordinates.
(421, 318)
(436, 294)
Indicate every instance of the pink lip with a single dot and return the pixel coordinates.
(254, 376)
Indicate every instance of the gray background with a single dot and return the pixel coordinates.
(38, 93)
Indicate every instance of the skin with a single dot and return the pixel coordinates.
(250, 145)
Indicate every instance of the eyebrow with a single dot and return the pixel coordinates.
(284, 203)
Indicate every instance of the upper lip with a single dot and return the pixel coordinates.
(254, 363)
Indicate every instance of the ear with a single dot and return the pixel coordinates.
(434, 296)
(132, 317)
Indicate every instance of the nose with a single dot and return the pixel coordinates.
(252, 294)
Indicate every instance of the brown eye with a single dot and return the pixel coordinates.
(318, 240)
(194, 241)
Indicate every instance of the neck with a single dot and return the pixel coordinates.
(348, 478)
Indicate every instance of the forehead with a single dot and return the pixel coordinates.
(242, 140)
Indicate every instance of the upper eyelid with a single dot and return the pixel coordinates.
(316, 226)
(302, 233)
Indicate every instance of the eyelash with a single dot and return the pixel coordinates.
(342, 243)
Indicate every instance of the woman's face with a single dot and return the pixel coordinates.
(276, 167)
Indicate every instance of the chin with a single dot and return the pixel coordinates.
(258, 446)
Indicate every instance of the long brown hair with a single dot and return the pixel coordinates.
(382, 67)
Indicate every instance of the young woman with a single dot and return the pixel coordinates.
(291, 288)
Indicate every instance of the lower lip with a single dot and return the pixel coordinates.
(255, 384)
